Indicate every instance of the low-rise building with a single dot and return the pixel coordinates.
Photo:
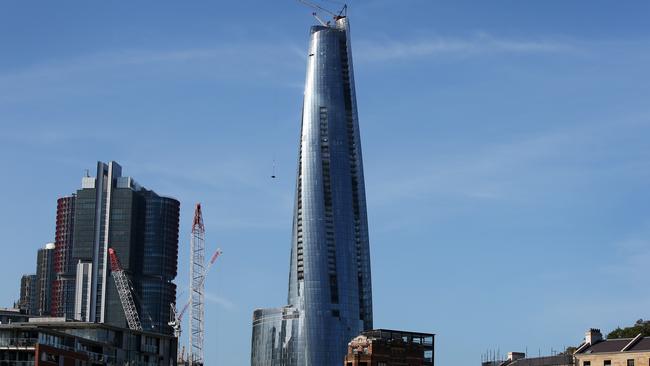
(53, 341)
(385, 347)
(596, 351)
(8, 316)
(520, 359)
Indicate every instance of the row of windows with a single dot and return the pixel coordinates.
(329, 214)
(630, 362)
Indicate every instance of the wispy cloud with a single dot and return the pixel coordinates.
(480, 43)
(247, 62)
(511, 170)
(630, 256)
(223, 302)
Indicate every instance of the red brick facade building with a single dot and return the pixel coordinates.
(390, 348)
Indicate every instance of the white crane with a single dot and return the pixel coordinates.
(177, 317)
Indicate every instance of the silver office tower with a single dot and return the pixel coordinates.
(330, 296)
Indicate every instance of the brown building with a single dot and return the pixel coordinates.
(596, 351)
(385, 347)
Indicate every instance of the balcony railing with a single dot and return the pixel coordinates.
(16, 363)
(17, 342)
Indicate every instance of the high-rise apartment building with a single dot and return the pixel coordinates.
(44, 279)
(330, 296)
(63, 288)
(112, 211)
(27, 301)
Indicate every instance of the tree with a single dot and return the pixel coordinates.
(640, 326)
(570, 350)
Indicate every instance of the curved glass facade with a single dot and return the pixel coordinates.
(274, 335)
(329, 280)
(159, 261)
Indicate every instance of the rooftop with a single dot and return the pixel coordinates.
(636, 344)
(57, 324)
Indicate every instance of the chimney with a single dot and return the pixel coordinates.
(593, 336)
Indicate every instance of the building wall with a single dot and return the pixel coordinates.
(51, 356)
(83, 248)
(385, 354)
(616, 358)
(159, 260)
(44, 279)
(52, 344)
(27, 300)
(273, 333)
(64, 267)
(125, 237)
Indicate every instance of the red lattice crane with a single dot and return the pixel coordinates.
(124, 289)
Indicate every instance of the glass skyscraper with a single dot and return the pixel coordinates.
(330, 295)
(113, 211)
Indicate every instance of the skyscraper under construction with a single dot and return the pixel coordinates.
(330, 296)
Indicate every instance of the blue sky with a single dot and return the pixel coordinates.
(505, 143)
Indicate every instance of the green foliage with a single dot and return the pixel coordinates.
(570, 350)
(640, 326)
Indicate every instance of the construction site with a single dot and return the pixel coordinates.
(124, 276)
(192, 353)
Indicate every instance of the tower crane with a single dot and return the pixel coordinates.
(124, 288)
(177, 317)
(336, 16)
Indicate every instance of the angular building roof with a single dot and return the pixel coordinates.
(636, 344)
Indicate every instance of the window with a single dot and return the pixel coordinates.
(630, 362)
(586, 363)
(607, 363)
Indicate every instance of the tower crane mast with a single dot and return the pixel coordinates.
(177, 317)
(197, 289)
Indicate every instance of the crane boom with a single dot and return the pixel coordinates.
(216, 255)
(124, 290)
(313, 5)
(175, 323)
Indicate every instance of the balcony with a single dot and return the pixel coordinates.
(17, 343)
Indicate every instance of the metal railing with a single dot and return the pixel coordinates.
(18, 342)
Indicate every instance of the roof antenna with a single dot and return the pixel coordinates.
(87, 173)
